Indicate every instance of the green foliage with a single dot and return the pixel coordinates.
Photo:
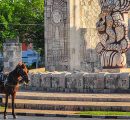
(23, 19)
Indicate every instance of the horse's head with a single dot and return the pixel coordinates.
(23, 72)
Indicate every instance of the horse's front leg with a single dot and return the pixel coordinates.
(13, 105)
(6, 105)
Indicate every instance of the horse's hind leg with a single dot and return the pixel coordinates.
(6, 105)
(13, 107)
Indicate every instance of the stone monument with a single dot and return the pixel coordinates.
(71, 35)
(12, 53)
(113, 31)
(56, 35)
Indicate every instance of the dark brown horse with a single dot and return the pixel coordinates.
(10, 84)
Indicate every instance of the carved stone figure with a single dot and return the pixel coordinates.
(113, 31)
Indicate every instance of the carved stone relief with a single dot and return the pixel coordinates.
(113, 31)
(12, 55)
(56, 16)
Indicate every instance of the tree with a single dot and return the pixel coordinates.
(23, 19)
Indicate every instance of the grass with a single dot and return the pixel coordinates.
(104, 113)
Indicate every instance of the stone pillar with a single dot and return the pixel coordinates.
(75, 34)
(12, 53)
(56, 35)
(83, 35)
(113, 31)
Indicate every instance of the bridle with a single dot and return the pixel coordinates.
(23, 74)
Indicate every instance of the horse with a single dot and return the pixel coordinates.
(9, 85)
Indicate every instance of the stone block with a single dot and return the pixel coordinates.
(30, 78)
(117, 80)
(35, 80)
(70, 82)
(89, 80)
(123, 81)
(111, 80)
(58, 80)
(100, 81)
(78, 79)
(12, 55)
(30, 75)
(46, 80)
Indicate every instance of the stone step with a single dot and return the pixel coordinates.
(74, 97)
(71, 106)
(40, 112)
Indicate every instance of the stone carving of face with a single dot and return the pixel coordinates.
(56, 15)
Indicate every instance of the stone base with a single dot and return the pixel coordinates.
(116, 70)
(80, 82)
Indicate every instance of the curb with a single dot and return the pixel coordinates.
(71, 116)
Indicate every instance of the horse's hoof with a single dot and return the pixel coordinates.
(15, 117)
(5, 117)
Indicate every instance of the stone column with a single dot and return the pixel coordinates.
(75, 34)
(113, 31)
(83, 34)
(57, 35)
(12, 53)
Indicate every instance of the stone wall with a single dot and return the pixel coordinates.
(80, 82)
(12, 53)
